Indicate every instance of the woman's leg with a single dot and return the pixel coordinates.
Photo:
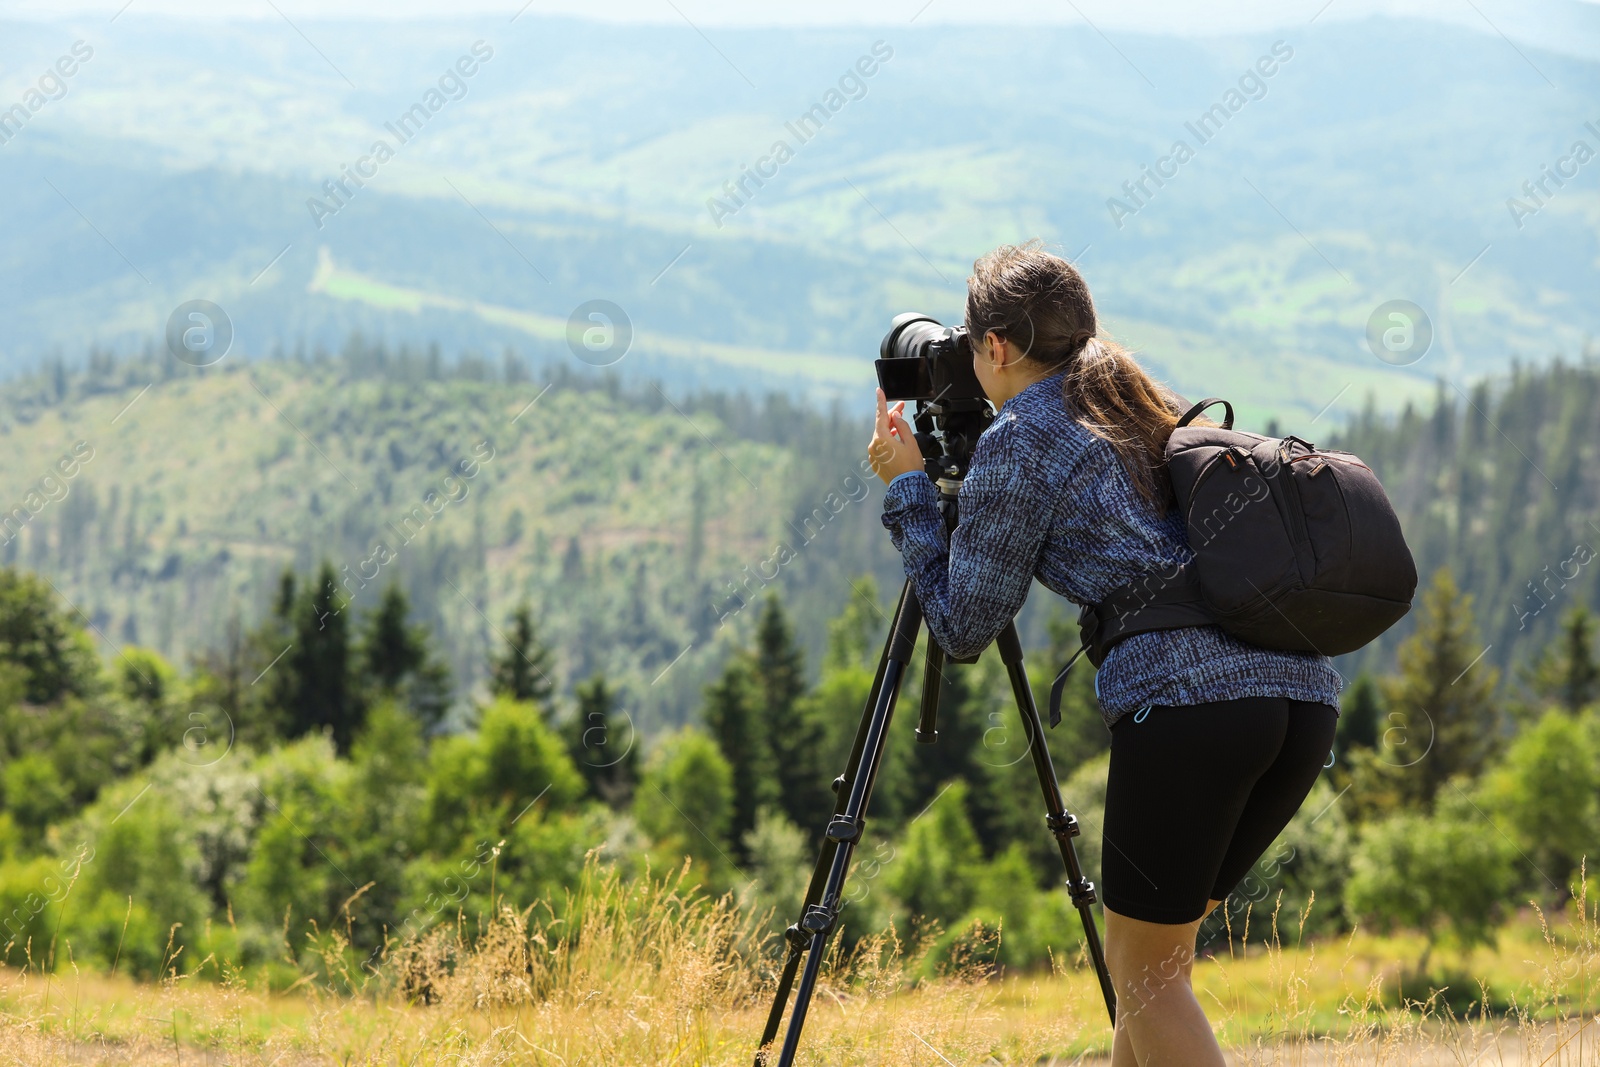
(1179, 779)
(1159, 1021)
(1279, 792)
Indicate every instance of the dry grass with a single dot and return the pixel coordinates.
(650, 972)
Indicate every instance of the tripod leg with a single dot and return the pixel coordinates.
(823, 899)
(1062, 823)
(932, 691)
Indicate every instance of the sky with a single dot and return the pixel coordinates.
(1180, 16)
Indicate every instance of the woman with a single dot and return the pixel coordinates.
(1214, 743)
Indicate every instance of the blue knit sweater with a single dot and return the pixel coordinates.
(1045, 498)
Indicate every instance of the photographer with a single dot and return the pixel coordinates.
(1214, 742)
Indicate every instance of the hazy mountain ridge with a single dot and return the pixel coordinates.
(1381, 156)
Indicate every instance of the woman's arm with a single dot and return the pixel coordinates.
(974, 582)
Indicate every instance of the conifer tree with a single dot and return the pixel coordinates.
(1443, 696)
(732, 719)
(524, 669)
(793, 737)
(604, 745)
(391, 647)
(396, 662)
(1359, 717)
(317, 667)
(1567, 672)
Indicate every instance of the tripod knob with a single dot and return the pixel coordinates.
(1062, 825)
(843, 829)
(838, 783)
(818, 919)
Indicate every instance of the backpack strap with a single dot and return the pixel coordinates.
(1189, 416)
(1058, 685)
(1141, 606)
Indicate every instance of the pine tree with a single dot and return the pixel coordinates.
(1443, 696)
(395, 661)
(604, 748)
(793, 737)
(732, 720)
(525, 669)
(390, 647)
(1568, 673)
(1359, 717)
(317, 667)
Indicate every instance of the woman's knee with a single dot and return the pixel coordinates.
(1146, 957)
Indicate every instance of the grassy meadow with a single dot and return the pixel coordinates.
(652, 971)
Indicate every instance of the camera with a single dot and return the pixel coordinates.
(922, 359)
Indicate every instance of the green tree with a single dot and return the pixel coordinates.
(685, 801)
(850, 633)
(524, 669)
(794, 739)
(55, 655)
(604, 749)
(1548, 788)
(1443, 698)
(1359, 718)
(937, 867)
(1568, 673)
(35, 793)
(780, 867)
(167, 714)
(144, 675)
(391, 648)
(396, 661)
(481, 784)
(139, 896)
(1445, 875)
(731, 718)
(318, 688)
(243, 676)
(294, 873)
(380, 815)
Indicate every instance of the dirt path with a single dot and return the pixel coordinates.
(1573, 1046)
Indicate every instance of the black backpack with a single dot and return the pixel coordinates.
(1295, 548)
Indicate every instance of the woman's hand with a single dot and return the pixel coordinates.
(893, 450)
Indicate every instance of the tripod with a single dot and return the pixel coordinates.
(824, 899)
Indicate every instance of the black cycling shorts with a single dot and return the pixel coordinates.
(1198, 792)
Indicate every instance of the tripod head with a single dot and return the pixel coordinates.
(947, 430)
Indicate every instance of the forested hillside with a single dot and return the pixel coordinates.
(1501, 483)
(635, 526)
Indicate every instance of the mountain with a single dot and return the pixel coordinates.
(583, 161)
(163, 502)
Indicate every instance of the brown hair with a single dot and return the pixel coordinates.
(1040, 302)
